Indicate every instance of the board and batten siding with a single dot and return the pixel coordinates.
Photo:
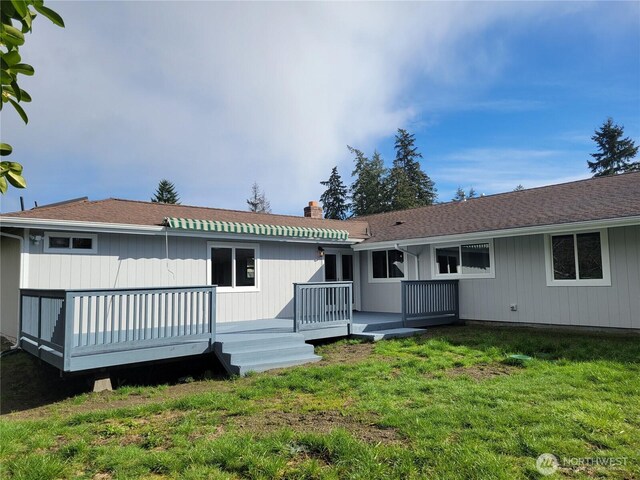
(128, 261)
(382, 296)
(521, 280)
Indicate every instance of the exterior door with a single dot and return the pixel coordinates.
(338, 267)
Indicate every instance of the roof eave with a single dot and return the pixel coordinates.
(104, 227)
(509, 232)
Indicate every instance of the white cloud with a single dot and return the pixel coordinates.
(216, 95)
(509, 167)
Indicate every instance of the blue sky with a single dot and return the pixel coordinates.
(215, 96)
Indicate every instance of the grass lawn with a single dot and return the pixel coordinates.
(443, 405)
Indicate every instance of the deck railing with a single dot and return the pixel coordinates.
(319, 305)
(429, 302)
(67, 327)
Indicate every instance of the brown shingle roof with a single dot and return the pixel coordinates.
(131, 212)
(593, 199)
(601, 198)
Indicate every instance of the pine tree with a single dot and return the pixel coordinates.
(258, 202)
(408, 185)
(368, 194)
(166, 193)
(334, 198)
(615, 152)
(519, 188)
(462, 196)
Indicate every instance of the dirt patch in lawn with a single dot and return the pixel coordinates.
(482, 371)
(317, 422)
(349, 353)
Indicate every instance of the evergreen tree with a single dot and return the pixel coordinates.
(368, 188)
(166, 193)
(462, 196)
(407, 184)
(258, 202)
(334, 198)
(615, 153)
(518, 188)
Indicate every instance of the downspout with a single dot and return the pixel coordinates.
(166, 245)
(414, 255)
(16, 346)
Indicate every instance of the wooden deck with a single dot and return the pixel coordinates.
(81, 330)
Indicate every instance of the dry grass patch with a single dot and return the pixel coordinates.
(320, 422)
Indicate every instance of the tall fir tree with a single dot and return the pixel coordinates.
(166, 193)
(462, 196)
(408, 185)
(518, 188)
(368, 194)
(615, 153)
(334, 199)
(258, 202)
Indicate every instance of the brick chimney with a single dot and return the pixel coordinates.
(313, 210)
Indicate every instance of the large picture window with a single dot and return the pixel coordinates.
(578, 259)
(465, 260)
(234, 267)
(387, 265)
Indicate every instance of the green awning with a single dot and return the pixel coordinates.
(257, 229)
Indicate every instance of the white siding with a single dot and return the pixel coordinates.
(139, 261)
(520, 279)
(382, 297)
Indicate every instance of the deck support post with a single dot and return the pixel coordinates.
(102, 382)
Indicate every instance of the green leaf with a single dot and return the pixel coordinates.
(3, 185)
(50, 14)
(11, 57)
(15, 89)
(15, 167)
(13, 32)
(22, 68)
(5, 77)
(5, 149)
(16, 179)
(21, 7)
(20, 110)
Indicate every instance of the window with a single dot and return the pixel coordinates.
(234, 267)
(578, 259)
(467, 260)
(59, 242)
(386, 265)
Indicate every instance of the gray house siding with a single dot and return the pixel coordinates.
(9, 286)
(521, 279)
(383, 296)
(139, 261)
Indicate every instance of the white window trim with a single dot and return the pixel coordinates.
(436, 275)
(73, 251)
(605, 281)
(233, 247)
(386, 280)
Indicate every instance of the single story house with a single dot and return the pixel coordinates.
(566, 254)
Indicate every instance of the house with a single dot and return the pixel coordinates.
(566, 254)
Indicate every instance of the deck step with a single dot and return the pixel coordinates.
(237, 343)
(390, 333)
(375, 327)
(281, 363)
(245, 352)
(269, 355)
